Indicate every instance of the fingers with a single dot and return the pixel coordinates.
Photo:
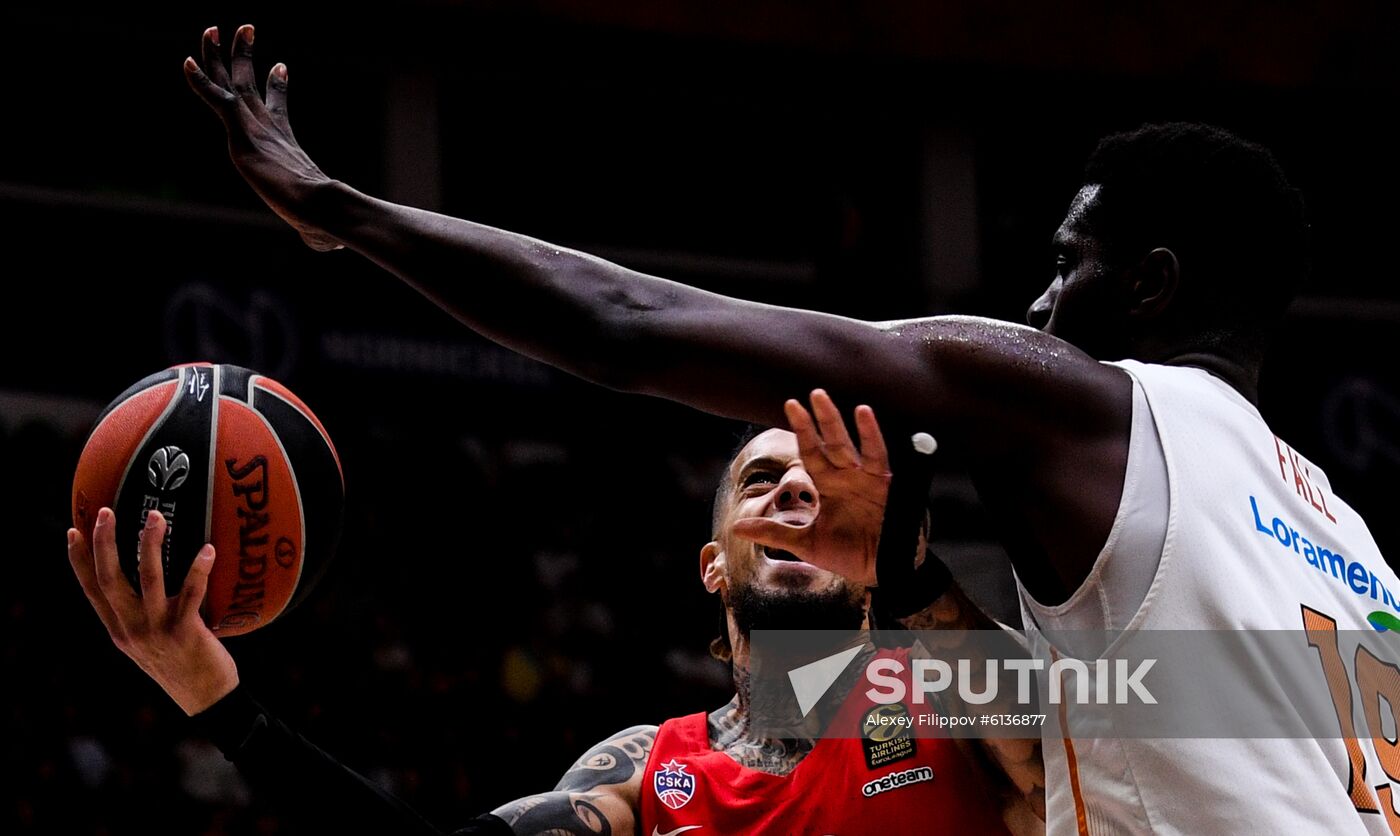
(213, 95)
(213, 61)
(778, 535)
(210, 83)
(121, 612)
(245, 86)
(151, 566)
(81, 560)
(196, 584)
(110, 580)
(873, 454)
(832, 425)
(836, 444)
(809, 441)
(277, 97)
(824, 437)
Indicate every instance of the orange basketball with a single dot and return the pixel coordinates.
(229, 457)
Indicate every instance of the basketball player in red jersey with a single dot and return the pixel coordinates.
(745, 784)
(707, 771)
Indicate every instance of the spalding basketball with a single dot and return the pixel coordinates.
(229, 457)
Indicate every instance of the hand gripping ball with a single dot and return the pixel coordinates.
(229, 457)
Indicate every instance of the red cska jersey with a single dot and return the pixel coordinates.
(916, 786)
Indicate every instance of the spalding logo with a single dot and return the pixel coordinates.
(168, 468)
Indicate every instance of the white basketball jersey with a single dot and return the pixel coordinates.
(1255, 540)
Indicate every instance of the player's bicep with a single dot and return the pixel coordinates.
(617, 761)
(977, 381)
(1011, 383)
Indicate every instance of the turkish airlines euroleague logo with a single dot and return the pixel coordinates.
(168, 468)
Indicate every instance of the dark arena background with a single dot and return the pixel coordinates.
(518, 575)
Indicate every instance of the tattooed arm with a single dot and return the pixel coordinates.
(598, 795)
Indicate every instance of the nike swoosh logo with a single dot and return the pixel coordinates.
(657, 832)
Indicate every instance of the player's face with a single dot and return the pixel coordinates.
(767, 479)
(1081, 305)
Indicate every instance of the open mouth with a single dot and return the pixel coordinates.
(779, 554)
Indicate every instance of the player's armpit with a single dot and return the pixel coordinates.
(598, 794)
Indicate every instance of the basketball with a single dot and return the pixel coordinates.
(228, 457)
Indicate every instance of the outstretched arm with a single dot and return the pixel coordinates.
(572, 310)
(1039, 419)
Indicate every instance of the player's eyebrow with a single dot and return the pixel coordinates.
(757, 463)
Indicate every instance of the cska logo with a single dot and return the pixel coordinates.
(673, 785)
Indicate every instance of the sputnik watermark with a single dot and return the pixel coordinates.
(1111, 683)
(885, 686)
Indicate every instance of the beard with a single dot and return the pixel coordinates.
(835, 608)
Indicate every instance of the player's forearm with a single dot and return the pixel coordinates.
(557, 813)
(597, 795)
(548, 302)
(606, 323)
(303, 781)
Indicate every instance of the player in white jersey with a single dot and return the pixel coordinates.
(1223, 526)
(1180, 252)
(1251, 540)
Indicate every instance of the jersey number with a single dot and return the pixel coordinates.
(1374, 679)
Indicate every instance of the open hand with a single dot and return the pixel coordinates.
(853, 483)
(260, 140)
(166, 637)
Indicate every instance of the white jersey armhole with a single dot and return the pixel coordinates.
(1117, 586)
